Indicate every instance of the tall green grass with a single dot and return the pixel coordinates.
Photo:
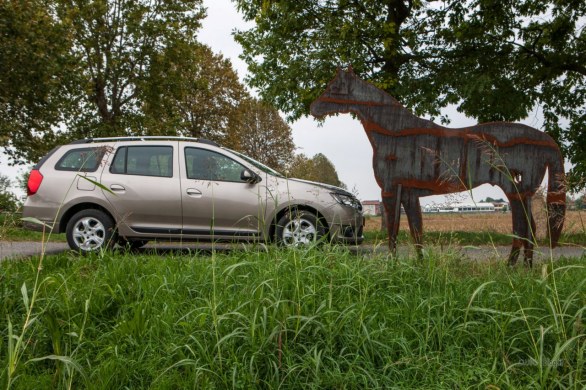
(271, 318)
(11, 229)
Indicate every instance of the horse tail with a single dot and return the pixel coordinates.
(556, 198)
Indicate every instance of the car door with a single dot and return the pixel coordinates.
(217, 202)
(145, 186)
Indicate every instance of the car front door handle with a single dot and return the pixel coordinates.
(117, 187)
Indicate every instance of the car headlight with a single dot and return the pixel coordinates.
(347, 200)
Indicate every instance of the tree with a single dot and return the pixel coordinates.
(73, 69)
(36, 86)
(504, 59)
(192, 92)
(301, 167)
(117, 43)
(98, 56)
(491, 200)
(319, 169)
(262, 134)
(8, 201)
(494, 60)
(580, 203)
(296, 45)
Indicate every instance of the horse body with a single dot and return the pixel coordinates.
(415, 157)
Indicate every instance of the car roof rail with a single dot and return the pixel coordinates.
(145, 138)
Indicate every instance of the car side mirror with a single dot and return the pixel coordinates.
(250, 177)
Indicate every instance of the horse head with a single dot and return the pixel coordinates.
(336, 96)
(348, 93)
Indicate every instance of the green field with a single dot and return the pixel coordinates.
(272, 318)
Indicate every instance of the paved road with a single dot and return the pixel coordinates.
(14, 250)
(23, 249)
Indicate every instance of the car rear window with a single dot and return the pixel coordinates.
(143, 161)
(81, 160)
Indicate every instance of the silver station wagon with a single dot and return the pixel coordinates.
(133, 190)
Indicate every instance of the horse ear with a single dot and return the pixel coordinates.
(350, 69)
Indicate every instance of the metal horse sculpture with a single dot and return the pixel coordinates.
(415, 157)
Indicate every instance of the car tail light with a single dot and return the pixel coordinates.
(34, 182)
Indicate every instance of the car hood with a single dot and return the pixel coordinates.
(323, 185)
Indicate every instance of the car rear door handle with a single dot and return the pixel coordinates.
(194, 192)
(117, 187)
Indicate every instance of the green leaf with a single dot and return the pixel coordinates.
(97, 184)
(24, 293)
(35, 221)
(63, 359)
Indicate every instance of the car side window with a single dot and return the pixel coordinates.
(81, 160)
(143, 161)
(203, 164)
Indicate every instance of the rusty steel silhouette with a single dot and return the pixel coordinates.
(415, 157)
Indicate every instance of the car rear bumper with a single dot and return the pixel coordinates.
(37, 226)
(38, 216)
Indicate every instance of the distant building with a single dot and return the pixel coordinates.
(501, 206)
(480, 207)
(371, 207)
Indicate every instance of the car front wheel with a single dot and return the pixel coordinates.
(90, 230)
(299, 228)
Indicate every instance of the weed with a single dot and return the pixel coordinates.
(295, 318)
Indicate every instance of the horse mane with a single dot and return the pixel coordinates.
(366, 98)
(369, 88)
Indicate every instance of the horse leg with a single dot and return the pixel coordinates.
(519, 229)
(392, 203)
(529, 241)
(413, 211)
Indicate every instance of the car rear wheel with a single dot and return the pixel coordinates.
(299, 228)
(90, 231)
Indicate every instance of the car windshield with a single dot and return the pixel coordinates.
(257, 164)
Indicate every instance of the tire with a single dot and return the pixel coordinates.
(299, 228)
(89, 231)
(131, 244)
